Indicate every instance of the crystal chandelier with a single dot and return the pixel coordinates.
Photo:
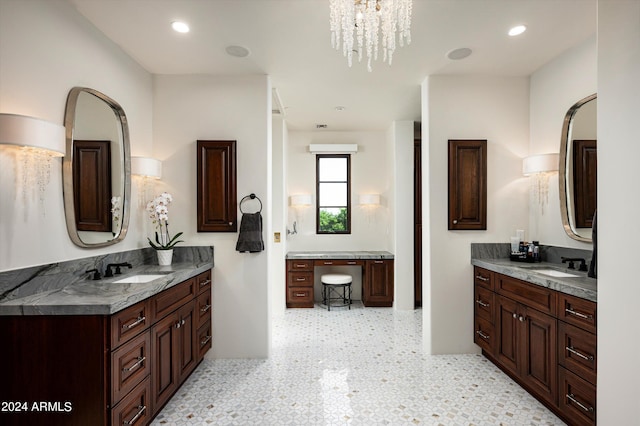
(363, 20)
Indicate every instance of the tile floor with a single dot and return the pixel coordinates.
(362, 366)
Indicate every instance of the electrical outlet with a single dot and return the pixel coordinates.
(276, 237)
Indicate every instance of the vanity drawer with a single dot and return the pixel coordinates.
(204, 281)
(129, 322)
(129, 366)
(171, 299)
(299, 279)
(577, 311)
(577, 351)
(203, 306)
(300, 297)
(300, 265)
(537, 297)
(338, 262)
(577, 398)
(484, 302)
(484, 278)
(484, 335)
(135, 408)
(205, 339)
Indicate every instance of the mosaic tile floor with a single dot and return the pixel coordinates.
(357, 367)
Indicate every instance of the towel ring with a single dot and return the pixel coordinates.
(252, 197)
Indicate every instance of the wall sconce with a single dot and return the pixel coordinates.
(38, 141)
(298, 202)
(540, 167)
(369, 200)
(146, 171)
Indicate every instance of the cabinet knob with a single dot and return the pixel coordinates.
(455, 221)
(521, 318)
(515, 315)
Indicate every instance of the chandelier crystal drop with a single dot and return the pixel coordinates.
(363, 21)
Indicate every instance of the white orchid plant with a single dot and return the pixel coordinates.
(158, 210)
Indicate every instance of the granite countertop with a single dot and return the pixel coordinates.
(580, 286)
(102, 297)
(339, 255)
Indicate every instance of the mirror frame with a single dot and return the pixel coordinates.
(67, 166)
(562, 173)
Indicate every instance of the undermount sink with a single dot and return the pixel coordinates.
(137, 279)
(554, 273)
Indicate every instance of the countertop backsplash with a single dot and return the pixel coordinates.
(551, 254)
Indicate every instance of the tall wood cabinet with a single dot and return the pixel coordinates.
(110, 369)
(544, 339)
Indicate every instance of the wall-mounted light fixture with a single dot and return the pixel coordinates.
(298, 202)
(540, 167)
(37, 141)
(146, 171)
(370, 200)
(333, 148)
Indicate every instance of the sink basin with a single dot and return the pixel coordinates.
(137, 279)
(554, 273)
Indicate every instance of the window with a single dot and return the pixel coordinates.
(333, 189)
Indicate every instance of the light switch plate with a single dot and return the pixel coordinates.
(276, 237)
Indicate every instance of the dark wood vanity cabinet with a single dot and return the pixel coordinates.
(111, 369)
(299, 283)
(216, 186)
(467, 185)
(543, 339)
(377, 283)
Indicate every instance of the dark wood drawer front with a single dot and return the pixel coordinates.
(577, 311)
(577, 399)
(204, 282)
(135, 408)
(171, 299)
(130, 364)
(484, 302)
(205, 339)
(338, 262)
(299, 279)
(484, 278)
(484, 335)
(540, 298)
(300, 297)
(203, 307)
(300, 265)
(577, 351)
(129, 322)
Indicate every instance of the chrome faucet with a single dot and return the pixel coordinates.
(109, 273)
(583, 263)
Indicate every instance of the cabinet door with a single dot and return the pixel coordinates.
(378, 290)
(187, 345)
(506, 331)
(538, 340)
(164, 376)
(216, 186)
(468, 184)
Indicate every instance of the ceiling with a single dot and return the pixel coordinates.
(290, 41)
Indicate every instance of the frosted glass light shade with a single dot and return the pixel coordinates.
(31, 132)
(540, 164)
(149, 167)
(369, 199)
(300, 200)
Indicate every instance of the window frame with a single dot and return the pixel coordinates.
(348, 183)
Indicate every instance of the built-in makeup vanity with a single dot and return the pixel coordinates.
(377, 275)
(108, 351)
(537, 322)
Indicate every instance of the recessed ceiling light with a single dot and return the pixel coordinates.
(340, 108)
(517, 30)
(237, 51)
(180, 27)
(457, 54)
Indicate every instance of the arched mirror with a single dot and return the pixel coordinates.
(579, 169)
(96, 169)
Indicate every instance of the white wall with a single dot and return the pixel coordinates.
(618, 201)
(277, 292)
(188, 108)
(402, 213)
(47, 48)
(554, 89)
(468, 107)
